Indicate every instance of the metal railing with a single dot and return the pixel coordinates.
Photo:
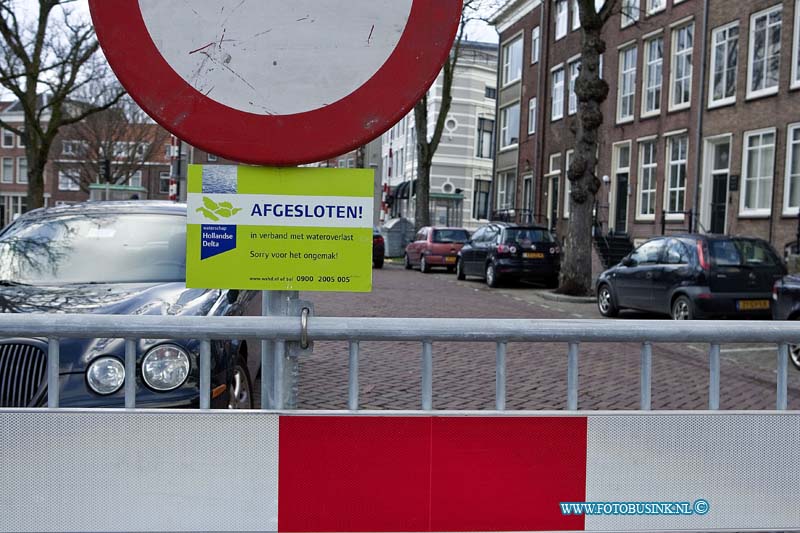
(282, 332)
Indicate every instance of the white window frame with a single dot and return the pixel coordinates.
(576, 16)
(790, 143)
(506, 66)
(647, 85)
(572, 103)
(3, 176)
(766, 91)
(795, 83)
(561, 19)
(630, 12)
(616, 170)
(712, 102)
(65, 183)
(621, 119)
(503, 189)
(211, 158)
(22, 177)
(676, 56)
(671, 166)
(536, 44)
(755, 212)
(652, 193)
(653, 8)
(162, 177)
(504, 127)
(552, 169)
(558, 89)
(532, 115)
(6, 134)
(567, 183)
(20, 144)
(135, 176)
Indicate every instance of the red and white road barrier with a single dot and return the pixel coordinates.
(256, 471)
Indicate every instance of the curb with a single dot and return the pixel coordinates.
(550, 295)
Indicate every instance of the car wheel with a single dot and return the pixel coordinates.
(794, 353)
(491, 276)
(682, 309)
(605, 302)
(378, 263)
(407, 262)
(240, 394)
(424, 266)
(460, 270)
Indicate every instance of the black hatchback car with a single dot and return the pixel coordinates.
(693, 276)
(113, 258)
(501, 252)
(786, 306)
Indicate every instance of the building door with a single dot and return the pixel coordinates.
(720, 164)
(621, 209)
(554, 201)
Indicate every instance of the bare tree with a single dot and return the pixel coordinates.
(426, 147)
(50, 64)
(591, 91)
(111, 146)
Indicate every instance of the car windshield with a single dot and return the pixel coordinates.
(97, 248)
(450, 235)
(527, 235)
(739, 252)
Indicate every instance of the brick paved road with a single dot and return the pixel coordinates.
(464, 373)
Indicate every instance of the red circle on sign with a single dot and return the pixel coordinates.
(281, 140)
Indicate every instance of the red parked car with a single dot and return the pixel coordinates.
(435, 247)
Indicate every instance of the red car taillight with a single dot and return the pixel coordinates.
(506, 249)
(377, 240)
(701, 256)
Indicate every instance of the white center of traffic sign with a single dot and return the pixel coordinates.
(276, 57)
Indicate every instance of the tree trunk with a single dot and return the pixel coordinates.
(576, 267)
(422, 212)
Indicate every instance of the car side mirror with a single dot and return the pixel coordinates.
(628, 261)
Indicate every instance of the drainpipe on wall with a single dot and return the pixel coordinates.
(492, 201)
(541, 99)
(699, 133)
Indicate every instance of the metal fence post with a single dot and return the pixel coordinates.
(278, 303)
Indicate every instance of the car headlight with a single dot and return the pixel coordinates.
(165, 367)
(105, 375)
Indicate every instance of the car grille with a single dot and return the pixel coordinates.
(23, 371)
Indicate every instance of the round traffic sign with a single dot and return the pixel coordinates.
(276, 82)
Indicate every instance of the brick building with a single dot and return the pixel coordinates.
(702, 121)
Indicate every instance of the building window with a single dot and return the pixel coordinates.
(791, 203)
(757, 169)
(647, 180)
(653, 76)
(557, 111)
(485, 138)
(621, 161)
(574, 71)
(21, 140)
(211, 158)
(567, 182)
(724, 61)
(576, 15)
(8, 170)
(536, 44)
(678, 150)
(796, 48)
(527, 194)
(555, 164)
(654, 6)
(627, 84)
(8, 139)
(22, 170)
(630, 12)
(561, 19)
(512, 61)
(351, 163)
(681, 85)
(509, 126)
(532, 114)
(163, 182)
(69, 180)
(764, 58)
(480, 200)
(491, 93)
(506, 189)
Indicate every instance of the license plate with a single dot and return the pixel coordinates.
(752, 305)
(533, 255)
(449, 259)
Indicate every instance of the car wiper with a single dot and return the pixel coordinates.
(12, 283)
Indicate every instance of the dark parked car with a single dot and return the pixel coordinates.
(115, 258)
(786, 306)
(501, 252)
(378, 248)
(693, 276)
(435, 247)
